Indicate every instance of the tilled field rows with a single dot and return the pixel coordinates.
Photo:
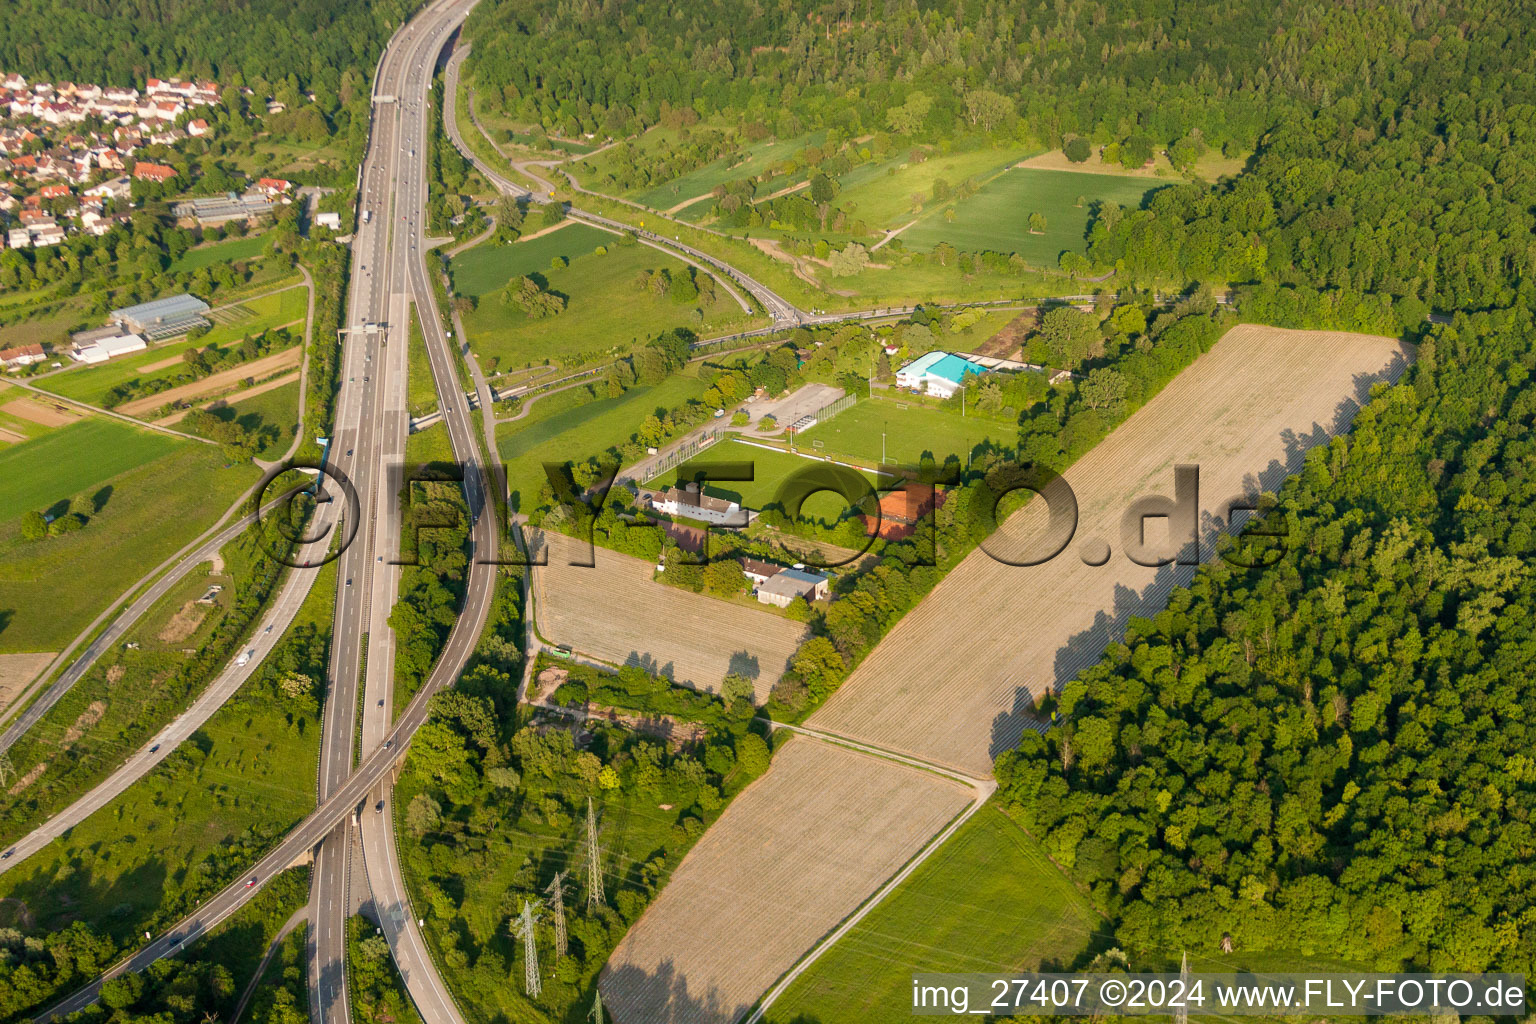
(795, 854)
(952, 684)
(616, 612)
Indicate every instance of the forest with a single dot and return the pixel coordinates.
(1332, 755)
(124, 42)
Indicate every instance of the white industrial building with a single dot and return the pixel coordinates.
(102, 349)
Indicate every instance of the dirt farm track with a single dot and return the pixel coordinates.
(953, 683)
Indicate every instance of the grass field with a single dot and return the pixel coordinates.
(758, 158)
(278, 408)
(987, 901)
(421, 388)
(885, 200)
(905, 435)
(771, 470)
(558, 429)
(792, 856)
(74, 459)
(486, 268)
(997, 217)
(194, 822)
(152, 495)
(607, 313)
(430, 445)
(226, 251)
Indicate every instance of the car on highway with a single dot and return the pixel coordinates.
(251, 884)
(245, 659)
(154, 748)
(379, 807)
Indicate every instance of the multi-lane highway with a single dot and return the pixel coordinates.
(388, 270)
(388, 277)
(389, 274)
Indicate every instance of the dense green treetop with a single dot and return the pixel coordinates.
(123, 42)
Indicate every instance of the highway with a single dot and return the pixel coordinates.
(388, 271)
(388, 276)
(432, 33)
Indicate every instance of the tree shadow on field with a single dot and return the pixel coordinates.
(6, 615)
(649, 663)
(744, 663)
(1217, 518)
(100, 498)
(663, 997)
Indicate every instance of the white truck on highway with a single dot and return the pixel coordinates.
(367, 216)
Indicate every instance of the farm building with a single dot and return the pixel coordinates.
(937, 373)
(163, 318)
(692, 503)
(787, 584)
(24, 355)
(101, 350)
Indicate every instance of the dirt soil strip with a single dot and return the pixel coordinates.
(41, 411)
(251, 392)
(287, 359)
(616, 612)
(17, 670)
(792, 857)
(1246, 413)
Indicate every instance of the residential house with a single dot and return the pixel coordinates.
(113, 188)
(153, 172)
(759, 571)
(692, 503)
(25, 355)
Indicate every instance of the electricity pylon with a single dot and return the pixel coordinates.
(596, 1016)
(523, 929)
(556, 893)
(594, 864)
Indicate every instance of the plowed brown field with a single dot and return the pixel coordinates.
(616, 612)
(952, 683)
(790, 858)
